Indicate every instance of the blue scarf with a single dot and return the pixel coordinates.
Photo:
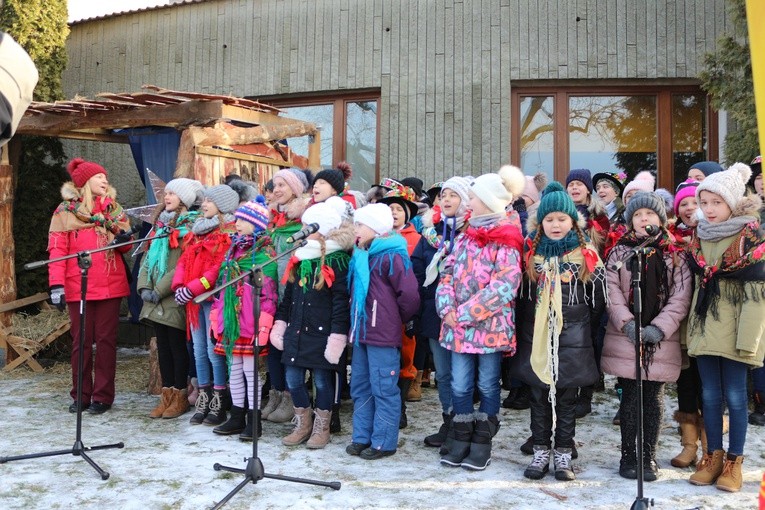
(548, 248)
(361, 266)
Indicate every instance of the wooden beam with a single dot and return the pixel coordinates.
(223, 133)
(20, 303)
(238, 114)
(175, 115)
(184, 165)
(244, 157)
(314, 151)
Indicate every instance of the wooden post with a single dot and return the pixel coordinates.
(184, 165)
(7, 247)
(314, 151)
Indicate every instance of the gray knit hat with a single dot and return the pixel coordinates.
(729, 184)
(646, 200)
(224, 197)
(188, 190)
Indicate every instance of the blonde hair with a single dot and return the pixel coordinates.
(319, 278)
(531, 270)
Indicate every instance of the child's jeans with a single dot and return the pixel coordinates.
(204, 354)
(720, 375)
(323, 379)
(442, 359)
(376, 397)
(464, 368)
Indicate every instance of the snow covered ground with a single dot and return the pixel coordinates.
(167, 464)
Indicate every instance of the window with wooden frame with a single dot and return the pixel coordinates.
(350, 130)
(612, 129)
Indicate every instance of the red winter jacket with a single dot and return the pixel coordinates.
(107, 276)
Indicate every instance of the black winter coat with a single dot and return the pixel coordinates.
(311, 316)
(576, 351)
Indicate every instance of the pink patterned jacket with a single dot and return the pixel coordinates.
(479, 282)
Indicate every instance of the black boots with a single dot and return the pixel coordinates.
(517, 398)
(439, 437)
(403, 386)
(486, 428)
(202, 405)
(758, 415)
(217, 410)
(235, 424)
(462, 428)
(584, 402)
(252, 419)
(334, 421)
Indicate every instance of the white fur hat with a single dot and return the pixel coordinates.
(497, 190)
(729, 184)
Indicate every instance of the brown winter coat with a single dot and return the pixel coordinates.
(618, 356)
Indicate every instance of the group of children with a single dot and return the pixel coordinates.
(497, 270)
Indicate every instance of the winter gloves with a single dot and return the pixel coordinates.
(57, 297)
(183, 295)
(335, 347)
(150, 296)
(277, 334)
(650, 334)
(629, 330)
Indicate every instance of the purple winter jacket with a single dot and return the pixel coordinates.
(392, 300)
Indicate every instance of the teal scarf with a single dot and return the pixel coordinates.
(548, 248)
(159, 249)
(361, 266)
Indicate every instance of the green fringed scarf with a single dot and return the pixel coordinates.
(159, 249)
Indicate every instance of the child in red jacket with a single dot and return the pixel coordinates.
(197, 271)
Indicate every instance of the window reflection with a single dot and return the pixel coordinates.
(537, 137)
(613, 133)
(361, 142)
(321, 115)
(689, 144)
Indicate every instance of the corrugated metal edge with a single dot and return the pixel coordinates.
(171, 3)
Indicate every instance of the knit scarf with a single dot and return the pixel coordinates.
(548, 314)
(450, 229)
(742, 262)
(246, 252)
(176, 226)
(715, 231)
(309, 264)
(106, 215)
(655, 292)
(362, 264)
(549, 248)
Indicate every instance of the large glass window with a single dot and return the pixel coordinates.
(349, 126)
(612, 129)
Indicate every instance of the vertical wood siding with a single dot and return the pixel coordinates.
(443, 67)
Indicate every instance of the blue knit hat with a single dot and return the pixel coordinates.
(554, 199)
(582, 175)
(707, 167)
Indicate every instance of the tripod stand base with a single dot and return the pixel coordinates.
(254, 472)
(642, 504)
(78, 449)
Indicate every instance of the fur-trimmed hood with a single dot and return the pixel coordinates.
(344, 235)
(295, 208)
(596, 207)
(71, 192)
(750, 205)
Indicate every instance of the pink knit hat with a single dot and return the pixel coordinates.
(643, 181)
(295, 179)
(684, 190)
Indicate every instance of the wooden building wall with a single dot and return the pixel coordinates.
(444, 68)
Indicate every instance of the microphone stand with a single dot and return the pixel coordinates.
(254, 471)
(84, 261)
(636, 257)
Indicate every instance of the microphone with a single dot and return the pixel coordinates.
(305, 232)
(123, 236)
(652, 230)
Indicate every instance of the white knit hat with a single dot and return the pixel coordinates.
(497, 190)
(375, 216)
(323, 215)
(188, 190)
(729, 184)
